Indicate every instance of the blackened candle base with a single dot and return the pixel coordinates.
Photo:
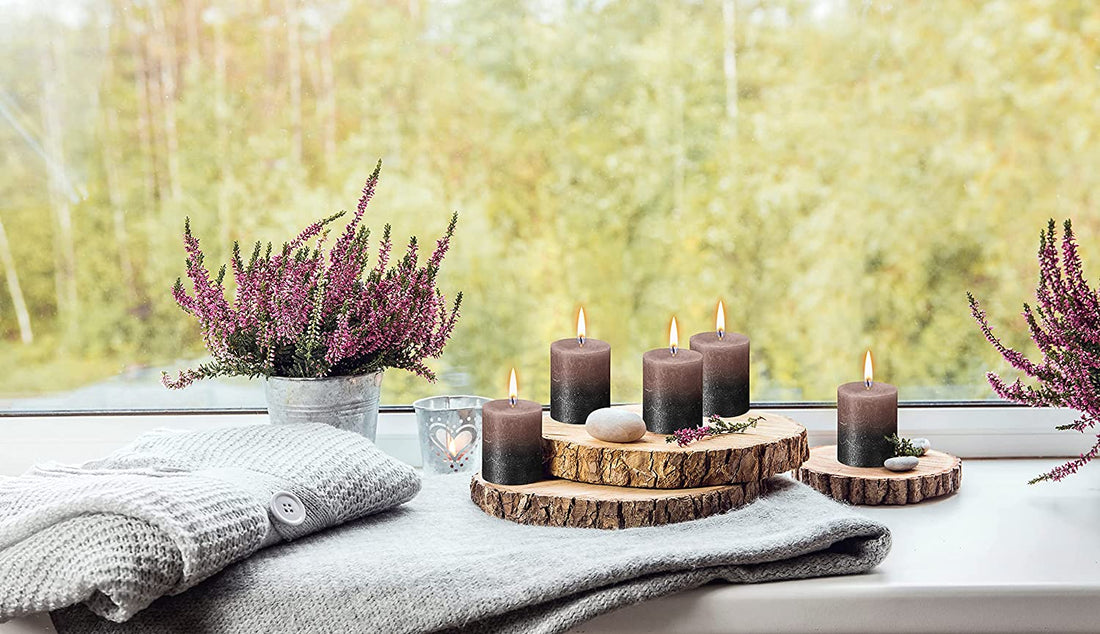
(725, 401)
(572, 403)
(664, 415)
(862, 449)
(511, 468)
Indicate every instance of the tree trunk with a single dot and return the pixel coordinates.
(729, 58)
(192, 10)
(156, 116)
(676, 98)
(221, 110)
(146, 85)
(110, 142)
(166, 49)
(61, 191)
(270, 91)
(141, 92)
(328, 96)
(679, 163)
(22, 315)
(294, 77)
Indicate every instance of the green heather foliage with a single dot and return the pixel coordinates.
(859, 168)
(903, 446)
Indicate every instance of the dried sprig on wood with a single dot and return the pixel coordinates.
(1065, 325)
(717, 427)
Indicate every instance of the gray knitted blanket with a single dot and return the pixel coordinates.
(440, 564)
(174, 508)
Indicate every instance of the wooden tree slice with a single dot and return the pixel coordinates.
(937, 474)
(776, 445)
(557, 502)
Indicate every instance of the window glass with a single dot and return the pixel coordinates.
(840, 173)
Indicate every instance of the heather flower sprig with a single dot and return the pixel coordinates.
(716, 427)
(298, 311)
(1064, 323)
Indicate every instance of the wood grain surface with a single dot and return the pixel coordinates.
(557, 502)
(937, 474)
(776, 445)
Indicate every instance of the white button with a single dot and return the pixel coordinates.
(287, 508)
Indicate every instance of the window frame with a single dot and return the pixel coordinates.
(408, 408)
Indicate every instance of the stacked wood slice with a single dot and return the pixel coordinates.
(936, 474)
(597, 484)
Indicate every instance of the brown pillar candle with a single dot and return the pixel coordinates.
(866, 413)
(672, 387)
(580, 376)
(511, 439)
(725, 369)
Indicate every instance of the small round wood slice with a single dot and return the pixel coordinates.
(557, 502)
(937, 474)
(776, 445)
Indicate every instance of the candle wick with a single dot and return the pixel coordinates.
(672, 349)
(867, 383)
(580, 340)
(721, 334)
(512, 401)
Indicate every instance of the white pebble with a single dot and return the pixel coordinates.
(615, 425)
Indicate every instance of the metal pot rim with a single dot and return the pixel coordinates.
(324, 378)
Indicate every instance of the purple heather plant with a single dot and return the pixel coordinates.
(302, 312)
(1065, 326)
(717, 427)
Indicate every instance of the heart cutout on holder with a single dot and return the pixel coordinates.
(453, 445)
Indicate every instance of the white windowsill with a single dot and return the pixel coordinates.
(999, 556)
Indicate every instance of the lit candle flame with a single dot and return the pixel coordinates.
(868, 371)
(513, 391)
(720, 320)
(452, 451)
(580, 327)
(673, 337)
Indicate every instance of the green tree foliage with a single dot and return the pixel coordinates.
(841, 184)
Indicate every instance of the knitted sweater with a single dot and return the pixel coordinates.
(440, 564)
(173, 508)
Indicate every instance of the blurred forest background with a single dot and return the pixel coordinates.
(839, 172)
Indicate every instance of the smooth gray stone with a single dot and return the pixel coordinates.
(922, 444)
(901, 463)
(615, 425)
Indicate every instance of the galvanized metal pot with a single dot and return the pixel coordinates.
(345, 402)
